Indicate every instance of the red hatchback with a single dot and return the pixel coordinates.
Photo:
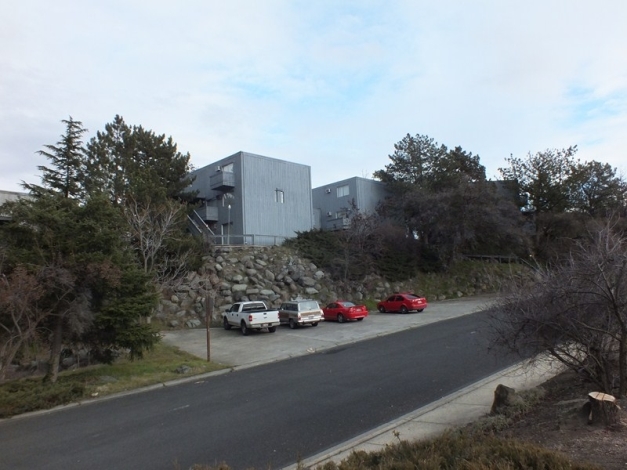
(402, 302)
(342, 310)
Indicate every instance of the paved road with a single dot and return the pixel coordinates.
(262, 416)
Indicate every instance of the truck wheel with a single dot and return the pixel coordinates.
(293, 324)
(271, 329)
(227, 325)
(245, 329)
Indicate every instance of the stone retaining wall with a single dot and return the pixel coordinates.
(273, 274)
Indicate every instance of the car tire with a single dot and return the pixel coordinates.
(293, 324)
(340, 318)
(245, 329)
(360, 319)
(420, 310)
(314, 323)
(226, 324)
(382, 309)
(271, 329)
(404, 309)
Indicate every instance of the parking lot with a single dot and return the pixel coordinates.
(233, 349)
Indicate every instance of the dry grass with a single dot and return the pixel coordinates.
(158, 366)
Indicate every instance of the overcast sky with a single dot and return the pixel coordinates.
(331, 84)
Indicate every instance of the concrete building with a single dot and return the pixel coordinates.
(252, 199)
(335, 203)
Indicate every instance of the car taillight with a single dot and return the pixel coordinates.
(250, 318)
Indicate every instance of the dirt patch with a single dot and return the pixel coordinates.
(559, 422)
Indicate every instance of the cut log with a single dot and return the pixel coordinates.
(603, 408)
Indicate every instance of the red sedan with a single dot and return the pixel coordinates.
(402, 302)
(342, 310)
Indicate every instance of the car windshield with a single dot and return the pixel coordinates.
(313, 305)
(412, 296)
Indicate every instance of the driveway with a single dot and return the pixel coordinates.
(233, 349)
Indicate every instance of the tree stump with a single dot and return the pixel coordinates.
(603, 407)
(503, 397)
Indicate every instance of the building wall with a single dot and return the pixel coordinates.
(277, 196)
(365, 193)
(253, 198)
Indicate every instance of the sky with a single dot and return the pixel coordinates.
(327, 83)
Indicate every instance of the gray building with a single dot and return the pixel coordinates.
(9, 196)
(335, 203)
(252, 199)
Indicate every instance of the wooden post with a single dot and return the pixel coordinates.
(208, 316)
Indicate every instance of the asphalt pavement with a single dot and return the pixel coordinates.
(233, 349)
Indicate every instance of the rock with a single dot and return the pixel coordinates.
(239, 288)
(183, 369)
(193, 323)
(307, 282)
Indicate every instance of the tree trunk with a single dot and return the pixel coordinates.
(622, 365)
(55, 351)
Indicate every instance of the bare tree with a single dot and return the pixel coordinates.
(358, 244)
(152, 228)
(20, 314)
(577, 311)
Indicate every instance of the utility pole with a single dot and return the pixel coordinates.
(208, 316)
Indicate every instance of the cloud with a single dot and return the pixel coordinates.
(329, 84)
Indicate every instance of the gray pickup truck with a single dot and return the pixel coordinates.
(250, 315)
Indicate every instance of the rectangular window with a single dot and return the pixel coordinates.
(228, 168)
(342, 191)
(279, 196)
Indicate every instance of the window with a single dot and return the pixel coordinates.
(342, 191)
(279, 196)
(228, 168)
(341, 214)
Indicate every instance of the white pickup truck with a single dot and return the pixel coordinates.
(251, 315)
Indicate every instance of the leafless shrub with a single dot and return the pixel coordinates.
(576, 311)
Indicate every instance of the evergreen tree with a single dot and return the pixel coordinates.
(67, 157)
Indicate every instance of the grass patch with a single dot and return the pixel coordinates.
(157, 366)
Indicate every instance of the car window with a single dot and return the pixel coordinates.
(411, 296)
(332, 306)
(349, 304)
(391, 298)
(312, 305)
